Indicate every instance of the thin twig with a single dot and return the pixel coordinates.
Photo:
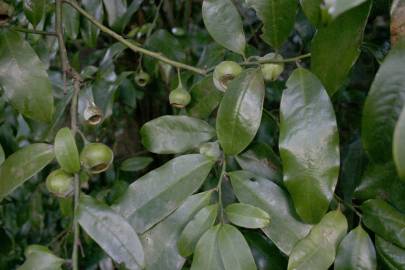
(349, 206)
(219, 189)
(32, 31)
(130, 44)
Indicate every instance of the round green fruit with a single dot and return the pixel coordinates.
(96, 157)
(272, 71)
(225, 72)
(179, 97)
(60, 183)
(142, 79)
(93, 115)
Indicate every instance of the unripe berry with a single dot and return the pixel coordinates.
(142, 79)
(179, 97)
(271, 71)
(96, 157)
(60, 183)
(225, 72)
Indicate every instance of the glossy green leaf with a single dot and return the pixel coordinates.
(200, 223)
(224, 24)
(234, 250)
(164, 42)
(34, 10)
(115, 9)
(278, 17)
(344, 35)
(160, 242)
(122, 21)
(205, 98)
(285, 229)
(384, 220)
(22, 165)
(356, 252)
(240, 111)
(71, 22)
(66, 152)
(2, 156)
(89, 31)
(399, 145)
(171, 134)
(24, 78)
(392, 255)
(135, 164)
(158, 193)
(383, 106)
(339, 7)
(247, 216)
(310, 168)
(206, 255)
(318, 249)
(312, 10)
(40, 258)
(111, 232)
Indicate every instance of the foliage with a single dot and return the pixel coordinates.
(214, 134)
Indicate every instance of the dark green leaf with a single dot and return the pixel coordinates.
(385, 221)
(122, 21)
(204, 98)
(115, 9)
(392, 255)
(383, 106)
(285, 230)
(312, 9)
(71, 22)
(171, 134)
(40, 258)
(24, 78)
(223, 22)
(356, 252)
(318, 249)
(278, 18)
(163, 42)
(160, 243)
(22, 165)
(247, 216)
(66, 152)
(234, 250)
(310, 168)
(112, 232)
(89, 31)
(240, 111)
(135, 164)
(34, 10)
(158, 193)
(206, 255)
(344, 35)
(200, 223)
(399, 145)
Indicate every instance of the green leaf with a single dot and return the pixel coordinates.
(160, 242)
(40, 258)
(123, 20)
(71, 22)
(247, 216)
(24, 78)
(166, 44)
(2, 156)
(356, 251)
(135, 164)
(278, 17)
(240, 111)
(158, 193)
(383, 106)
(399, 145)
(234, 250)
(66, 152)
(312, 10)
(342, 6)
(200, 223)
(344, 35)
(89, 31)
(384, 220)
(224, 24)
(22, 165)
(310, 168)
(206, 255)
(392, 255)
(318, 249)
(34, 10)
(111, 232)
(171, 134)
(285, 230)
(205, 98)
(115, 9)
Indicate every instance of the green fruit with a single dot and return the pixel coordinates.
(272, 71)
(179, 97)
(96, 157)
(142, 79)
(225, 72)
(210, 150)
(93, 115)
(60, 183)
